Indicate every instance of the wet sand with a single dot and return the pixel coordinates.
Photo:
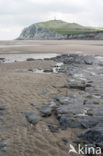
(17, 91)
(52, 46)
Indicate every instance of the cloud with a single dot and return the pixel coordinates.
(16, 14)
(8, 33)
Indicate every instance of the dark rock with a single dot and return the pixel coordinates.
(88, 85)
(48, 70)
(73, 63)
(53, 129)
(90, 81)
(2, 59)
(61, 100)
(32, 117)
(77, 84)
(65, 140)
(46, 59)
(71, 104)
(52, 104)
(30, 70)
(30, 59)
(3, 146)
(93, 136)
(88, 60)
(69, 121)
(69, 109)
(75, 121)
(101, 64)
(46, 110)
(2, 107)
(88, 121)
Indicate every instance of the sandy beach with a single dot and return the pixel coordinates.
(52, 46)
(19, 89)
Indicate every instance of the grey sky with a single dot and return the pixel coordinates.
(17, 14)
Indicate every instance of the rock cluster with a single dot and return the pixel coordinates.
(74, 59)
(82, 106)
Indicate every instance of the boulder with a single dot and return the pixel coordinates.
(2, 107)
(32, 117)
(61, 100)
(77, 84)
(72, 121)
(47, 109)
(48, 70)
(53, 129)
(93, 136)
(2, 60)
(30, 59)
(3, 146)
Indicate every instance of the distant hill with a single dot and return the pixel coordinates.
(58, 30)
(61, 27)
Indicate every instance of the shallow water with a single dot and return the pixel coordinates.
(100, 58)
(23, 57)
(55, 69)
(21, 45)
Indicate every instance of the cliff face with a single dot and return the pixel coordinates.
(87, 36)
(34, 32)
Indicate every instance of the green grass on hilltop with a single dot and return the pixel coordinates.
(62, 27)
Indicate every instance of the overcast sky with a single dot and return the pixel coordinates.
(17, 14)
